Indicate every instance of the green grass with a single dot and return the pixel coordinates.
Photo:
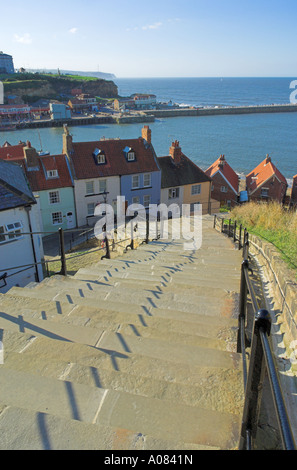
(272, 223)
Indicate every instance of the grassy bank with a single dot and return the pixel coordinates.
(273, 224)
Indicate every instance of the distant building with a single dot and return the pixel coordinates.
(225, 182)
(18, 217)
(6, 63)
(59, 111)
(183, 182)
(144, 101)
(266, 183)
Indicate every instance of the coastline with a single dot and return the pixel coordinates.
(151, 114)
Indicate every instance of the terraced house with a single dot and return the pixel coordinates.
(51, 181)
(183, 182)
(108, 168)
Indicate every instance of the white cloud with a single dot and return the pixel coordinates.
(25, 39)
(73, 30)
(153, 26)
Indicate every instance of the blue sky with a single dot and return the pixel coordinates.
(176, 38)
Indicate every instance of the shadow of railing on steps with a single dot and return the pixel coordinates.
(261, 357)
(107, 246)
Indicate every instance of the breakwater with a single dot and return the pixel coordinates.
(152, 114)
(164, 113)
(83, 121)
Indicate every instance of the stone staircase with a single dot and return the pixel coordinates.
(138, 352)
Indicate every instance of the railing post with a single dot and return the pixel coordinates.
(107, 249)
(63, 271)
(229, 229)
(234, 231)
(255, 380)
(222, 228)
(242, 307)
(214, 221)
(147, 229)
(240, 231)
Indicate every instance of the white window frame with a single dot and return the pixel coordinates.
(100, 158)
(51, 174)
(88, 183)
(196, 189)
(149, 182)
(224, 189)
(54, 195)
(58, 221)
(90, 213)
(105, 186)
(11, 232)
(135, 186)
(131, 156)
(173, 193)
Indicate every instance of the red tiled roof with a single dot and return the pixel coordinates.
(12, 152)
(263, 172)
(38, 179)
(116, 163)
(225, 169)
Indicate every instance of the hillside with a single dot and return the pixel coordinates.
(30, 87)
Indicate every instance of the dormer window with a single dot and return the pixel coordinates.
(99, 156)
(129, 154)
(52, 174)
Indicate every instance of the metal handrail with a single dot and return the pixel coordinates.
(261, 357)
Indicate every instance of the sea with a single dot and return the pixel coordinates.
(245, 140)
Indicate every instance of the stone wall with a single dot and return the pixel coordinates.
(282, 285)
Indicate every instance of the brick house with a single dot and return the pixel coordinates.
(225, 182)
(266, 183)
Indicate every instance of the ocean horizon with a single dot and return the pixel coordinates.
(245, 140)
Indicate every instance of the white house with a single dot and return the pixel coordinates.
(19, 251)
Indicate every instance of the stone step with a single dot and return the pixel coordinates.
(126, 288)
(165, 323)
(125, 341)
(139, 303)
(45, 356)
(87, 328)
(216, 393)
(26, 430)
(137, 413)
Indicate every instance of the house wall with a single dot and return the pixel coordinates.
(177, 200)
(276, 191)
(19, 252)
(217, 182)
(82, 199)
(154, 191)
(65, 206)
(202, 198)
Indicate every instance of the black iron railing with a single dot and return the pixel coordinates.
(69, 237)
(260, 355)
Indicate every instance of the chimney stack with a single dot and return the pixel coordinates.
(268, 159)
(175, 152)
(222, 161)
(146, 134)
(31, 156)
(67, 141)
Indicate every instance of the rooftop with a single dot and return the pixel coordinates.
(14, 188)
(263, 172)
(222, 166)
